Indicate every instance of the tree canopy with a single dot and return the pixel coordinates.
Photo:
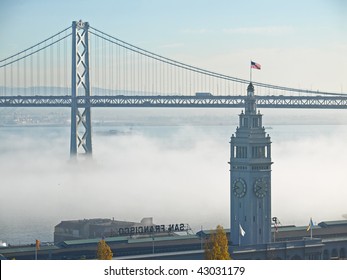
(216, 248)
(104, 251)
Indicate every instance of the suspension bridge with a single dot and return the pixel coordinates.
(82, 67)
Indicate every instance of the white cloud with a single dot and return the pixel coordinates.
(172, 45)
(266, 30)
(197, 31)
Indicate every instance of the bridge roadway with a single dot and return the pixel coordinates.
(177, 101)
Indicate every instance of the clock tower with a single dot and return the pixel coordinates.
(250, 178)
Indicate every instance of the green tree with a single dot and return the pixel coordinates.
(104, 251)
(216, 247)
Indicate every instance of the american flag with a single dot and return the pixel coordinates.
(255, 65)
(242, 232)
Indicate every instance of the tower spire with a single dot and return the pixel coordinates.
(250, 102)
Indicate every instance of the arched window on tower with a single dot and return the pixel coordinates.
(244, 121)
(256, 122)
(259, 152)
(241, 152)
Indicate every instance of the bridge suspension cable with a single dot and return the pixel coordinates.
(141, 51)
(160, 70)
(41, 69)
(4, 63)
(120, 68)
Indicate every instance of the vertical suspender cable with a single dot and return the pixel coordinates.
(5, 78)
(95, 56)
(38, 72)
(58, 66)
(106, 84)
(160, 66)
(103, 50)
(51, 68)
(111, 66)
(148, 76)
(18, 76)
(65, 65)
(24, 75)
(156, 78)
(175, 80)
(168, 79)
(44, 68)
(118, 65)
(129, 57)
(139, 74)
(125, 71)
(121, 69)
(132, 72)
(151, 71)
(96, 68)
(179, 80)
(11, 80)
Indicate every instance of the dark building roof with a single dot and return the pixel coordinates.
(78, 224)
(324, 230)
(326, 224)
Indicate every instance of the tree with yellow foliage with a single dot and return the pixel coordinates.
(216, 247)
(104, 251)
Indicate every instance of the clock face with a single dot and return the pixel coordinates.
(260, 188)
(239, 187)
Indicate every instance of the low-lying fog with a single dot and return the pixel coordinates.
(175, 173)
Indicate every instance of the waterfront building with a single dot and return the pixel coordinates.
(292, 243)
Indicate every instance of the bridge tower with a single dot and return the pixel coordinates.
(250, 178)
(81, 128)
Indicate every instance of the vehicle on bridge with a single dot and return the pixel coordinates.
(203, 94)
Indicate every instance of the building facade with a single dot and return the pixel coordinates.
(250, 178)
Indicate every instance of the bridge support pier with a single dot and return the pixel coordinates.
(81, 127)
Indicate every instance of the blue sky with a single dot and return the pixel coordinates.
(298, 43)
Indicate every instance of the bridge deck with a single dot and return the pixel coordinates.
(319, 102)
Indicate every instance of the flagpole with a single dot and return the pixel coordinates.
(275, 235)
(239, 237)
(250, 73)
(152, 243)
(201, 238)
